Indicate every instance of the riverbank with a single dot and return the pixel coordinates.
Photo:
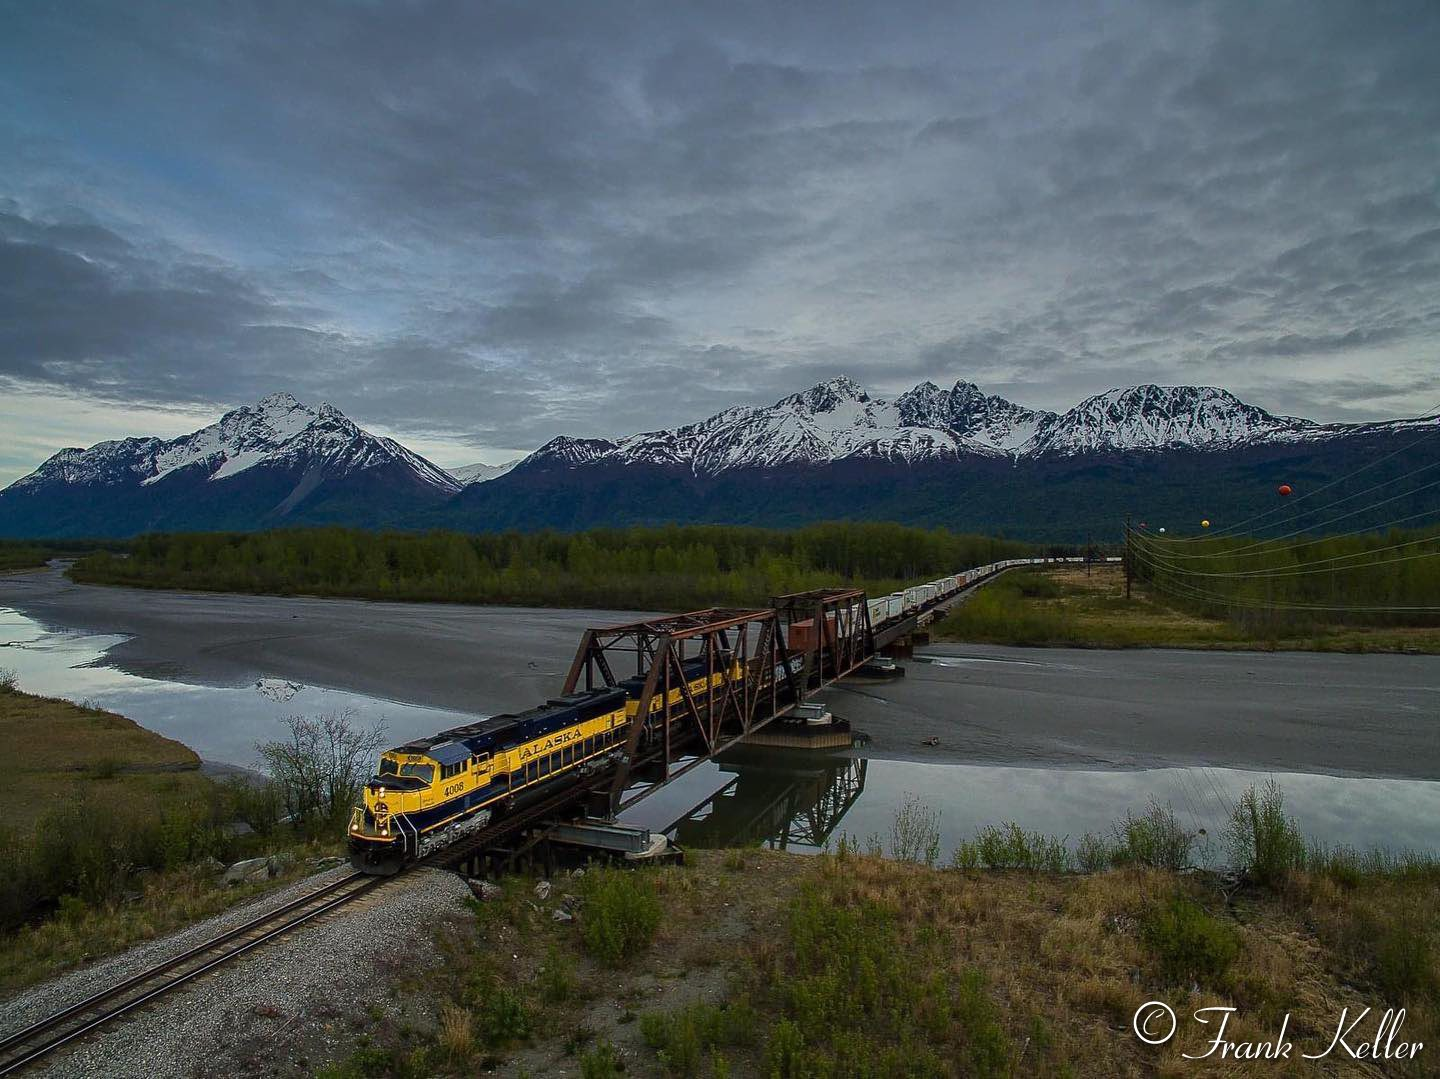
(1079, 608)
(56, 752)
(114, 835)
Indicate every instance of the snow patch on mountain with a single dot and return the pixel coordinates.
(480, 472)
(278, 431)
(838, 420)
(1161, 418)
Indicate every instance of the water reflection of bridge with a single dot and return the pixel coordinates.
(777, 799)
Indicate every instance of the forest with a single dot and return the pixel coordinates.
(1376, 578)
(668, 567)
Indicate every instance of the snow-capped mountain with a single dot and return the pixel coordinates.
(279, 431)
(480, 472)
(278, 461)
(831, 421)
(1164, 417)
(837, 420)
(957, 457)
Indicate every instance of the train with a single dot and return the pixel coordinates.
(433, 791)
(910, 600)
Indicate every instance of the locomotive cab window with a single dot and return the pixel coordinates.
(388, 767)
(423, 772)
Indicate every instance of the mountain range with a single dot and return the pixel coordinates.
(837, 420)
(956, 457)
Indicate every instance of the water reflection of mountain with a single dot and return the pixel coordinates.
(776, 799)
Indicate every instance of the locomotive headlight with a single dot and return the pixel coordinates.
(380, 793)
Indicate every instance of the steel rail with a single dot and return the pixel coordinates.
(278, 921)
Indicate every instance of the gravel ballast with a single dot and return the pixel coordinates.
(287, 1005)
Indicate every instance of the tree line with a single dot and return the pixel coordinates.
(671, 566)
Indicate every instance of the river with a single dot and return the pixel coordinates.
(1064, 742)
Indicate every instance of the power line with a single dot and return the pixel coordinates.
(1429, 414)
(1294, 571)
(1190, 592)
(1239, 551)
(1162, 559)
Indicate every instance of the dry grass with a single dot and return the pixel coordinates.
(165, 903)
(1042, 972)
(1089, 610)
(1069, 952)
(54, 749)
(62, 761)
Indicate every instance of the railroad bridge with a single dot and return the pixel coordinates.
(784, 653)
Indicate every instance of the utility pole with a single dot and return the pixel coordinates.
(1089, 551)
(1127, 558)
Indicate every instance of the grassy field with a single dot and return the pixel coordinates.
(111, 836)
(1070, 607)
(57, 752)
(769, 964)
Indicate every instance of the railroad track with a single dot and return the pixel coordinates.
(24, 1047)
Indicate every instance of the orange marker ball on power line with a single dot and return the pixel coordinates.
(1284, 490)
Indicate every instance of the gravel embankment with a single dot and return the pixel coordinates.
(287, 1006)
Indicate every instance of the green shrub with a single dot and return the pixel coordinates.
(785, 1051)
(557, 976)
(915, 832)
(856, 997)
(1156, 840)
(503, 1016)
(1405, 964)
(999, 613)
(1092, 853)
(1263, 841)
(1035, 584)
(600, 1061)
(1191, 944)
(683, 1038)
(1008, 846)
(621, 914)
(987, 1046)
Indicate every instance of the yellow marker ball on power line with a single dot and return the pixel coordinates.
(1204, 524)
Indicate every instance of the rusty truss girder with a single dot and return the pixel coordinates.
(703, 680)
(736, 654)
(838, 636)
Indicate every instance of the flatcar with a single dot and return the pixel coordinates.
(432, 791)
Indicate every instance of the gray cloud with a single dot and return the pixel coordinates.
(492, 223)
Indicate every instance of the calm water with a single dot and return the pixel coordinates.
(791, 799)
(803, 801)
(219, 723)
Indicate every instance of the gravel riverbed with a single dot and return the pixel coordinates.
(286, 1006)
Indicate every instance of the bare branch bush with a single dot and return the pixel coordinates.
(322, 763)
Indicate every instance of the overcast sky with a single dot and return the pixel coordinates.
(476, 226)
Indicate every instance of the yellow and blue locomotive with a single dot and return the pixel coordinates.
(432, 791)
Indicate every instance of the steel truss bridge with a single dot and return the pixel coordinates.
(785, 653)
